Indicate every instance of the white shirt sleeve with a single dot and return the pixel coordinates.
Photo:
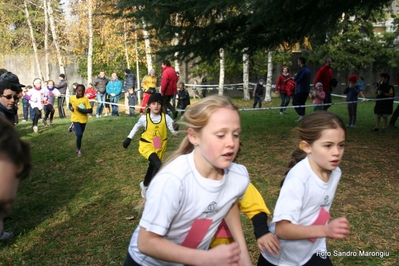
(169, 123)
(142, 122)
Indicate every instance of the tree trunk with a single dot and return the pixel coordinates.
(90, 51)
(137, 66)
(125, 45)
(268, 96)
(176, 42)
(55, 38)
(147, 48)
(32, 36)
(46, 49)
(245, 75)
(221, 76)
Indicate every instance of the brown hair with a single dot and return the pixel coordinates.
(309, 130)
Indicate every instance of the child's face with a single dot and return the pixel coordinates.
(319, 88)
(325, 154)
(155, 107)
(181, 86)
(130, 91)
(50, 84)
(80, 92)
(217, 144)
(8, 186)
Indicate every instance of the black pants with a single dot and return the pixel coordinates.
(129, 261)
(314, 261)
(61, 111)
(300, 99)
(327, 99)
(153, 168)
(38, 115)
(49, 110)
(168, 105)
(394, 116)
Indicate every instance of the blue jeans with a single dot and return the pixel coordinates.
(285, 101)
(115, 107)
(100, 104)
(25, 108)
(257, 99)
(79, 129)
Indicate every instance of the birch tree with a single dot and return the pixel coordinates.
(221, 72)
(50, 13)
(245, 75)
(90, 48)
(33, 39)
(46, 47)
(268, 97)
(125, 45)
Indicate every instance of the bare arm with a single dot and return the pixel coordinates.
(234, 224)
(158, 247)
(338, 228)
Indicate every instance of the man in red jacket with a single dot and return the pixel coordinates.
(168, 86)
(324, 75)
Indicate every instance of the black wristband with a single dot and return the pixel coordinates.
(259, 222)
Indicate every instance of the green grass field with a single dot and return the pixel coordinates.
(72, 210)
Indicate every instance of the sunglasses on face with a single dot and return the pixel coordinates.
(9, 96)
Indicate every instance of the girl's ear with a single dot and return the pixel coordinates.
(306, 147)
(192, 136)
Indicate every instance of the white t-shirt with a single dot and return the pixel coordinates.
(179, 195)
(36, 98)
(301, 198)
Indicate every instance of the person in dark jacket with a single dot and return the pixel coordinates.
(258, 94)
(302, 80)
(129, 83)
(10, 88)
(62, 86)
(100, 84)
(383, 108)
(183, 98)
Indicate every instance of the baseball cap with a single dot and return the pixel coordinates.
(11, 79)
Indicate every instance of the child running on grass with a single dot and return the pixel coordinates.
(50, 93)
(80, 106)
(301, 216)
(194, 191)
(153, 141)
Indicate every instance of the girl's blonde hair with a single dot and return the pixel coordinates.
(196, 117)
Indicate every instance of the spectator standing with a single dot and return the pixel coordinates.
(283, 89)
(361, 86)
(183, 98)
(90, 93)
(383, 108)
(114, 90)
(302, 80)
(25, 104)
(132, 101)
(352, 92)
(258, 94)
(62, 87)
(149, 85)
(324, 75)
(168, 87)
(317, 97)
(10, 93)
(130, 82)
(100, 83)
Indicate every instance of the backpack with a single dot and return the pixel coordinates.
(333, 83)
(290, 87)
